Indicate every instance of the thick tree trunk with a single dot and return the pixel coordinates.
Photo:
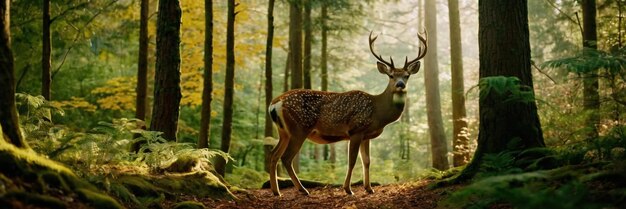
(46, 50)
(142, 64)
(295, 50)
(460, 139)
(8, 114)
(591, 98)
(438, 142)
(167, 93)
(269, 129)
(207, 91)
(227, 122)
(504, 51)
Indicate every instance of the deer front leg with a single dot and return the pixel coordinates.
(292, 149)
(365, 159)
(277, 152)
(355, 142)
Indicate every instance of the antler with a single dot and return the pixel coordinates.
(422, 51)
(380, 58)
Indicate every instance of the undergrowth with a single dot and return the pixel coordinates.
(102, 156)
(587, 174)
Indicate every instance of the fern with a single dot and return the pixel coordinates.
(505, 89)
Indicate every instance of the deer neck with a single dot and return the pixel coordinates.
(389, 104)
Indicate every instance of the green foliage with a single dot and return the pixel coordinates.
(589, 60)
(159, 154)
(527, 190)
(247, 178)
(505, 89)
(590, 176)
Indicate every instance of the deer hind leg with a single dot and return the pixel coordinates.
(353, 151)
(294, 147)
(365, 159)
(277, 152)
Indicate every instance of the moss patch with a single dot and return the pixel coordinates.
(38, 200)
(30, 179)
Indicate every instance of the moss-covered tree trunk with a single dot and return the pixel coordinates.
(460, 140)
(269, 129)
(504, 51)
(167, 93)
(8, 114)
(438, 141)
(227, 122)
(207, 91)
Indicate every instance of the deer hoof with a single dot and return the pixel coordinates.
(369, 190)
(348, 191)
(276, 193)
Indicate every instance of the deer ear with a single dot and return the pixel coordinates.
(382, 68)
(414, 67)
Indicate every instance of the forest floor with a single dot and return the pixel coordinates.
(407, 195)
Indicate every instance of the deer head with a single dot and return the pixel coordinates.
(398, 77)
(328, 117)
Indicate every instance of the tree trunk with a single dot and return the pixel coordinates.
(460, 139)
(308, 40)
(438, 141)
(207, 91)
(287, 74)
(142, 65)
(167, 93)
(295, 50)
(269, 129)
(46, 50)
(504, 51)
(330, 148)
(8, 114)
(591, 98)
(227, 122)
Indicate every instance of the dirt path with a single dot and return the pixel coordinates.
(409, 195)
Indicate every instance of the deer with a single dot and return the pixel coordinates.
(328, 117)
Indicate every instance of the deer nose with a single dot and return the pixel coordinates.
(400, 84)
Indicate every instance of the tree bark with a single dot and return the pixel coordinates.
(295, 50)
(591, 98)
(142, 64)
(438, 143)
(167, 93)
(207, 91)
(8, 113)
(504, 51)
(269, 129)
(460, 139)
(308, 40)
(227, 122)
(330, 148)
(46, 50)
